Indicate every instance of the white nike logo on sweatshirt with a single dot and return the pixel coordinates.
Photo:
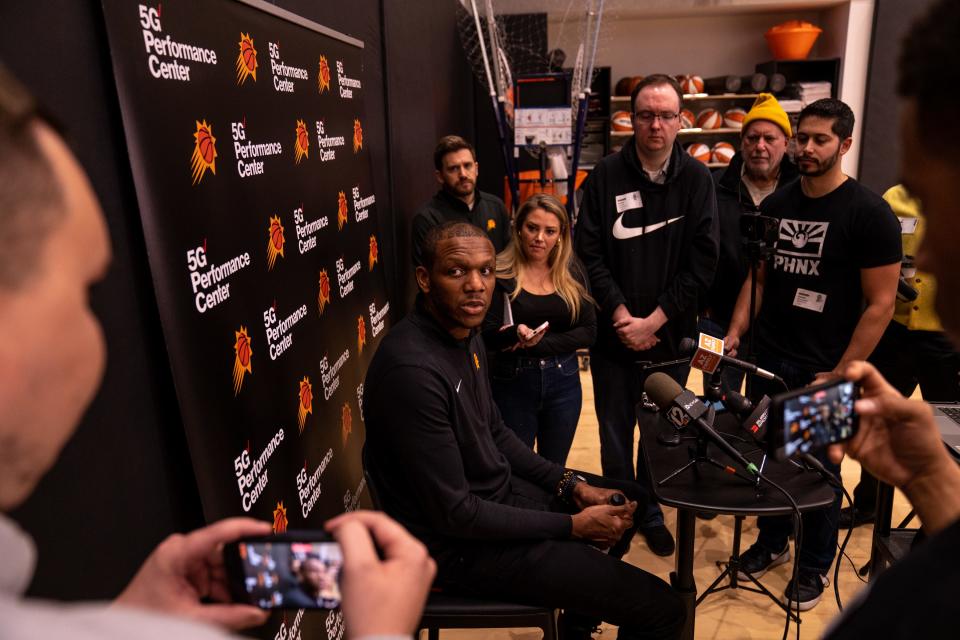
(621, 232)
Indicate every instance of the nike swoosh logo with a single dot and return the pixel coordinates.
(458, 385)
(621, 232)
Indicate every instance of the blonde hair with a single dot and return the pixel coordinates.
(511, 262)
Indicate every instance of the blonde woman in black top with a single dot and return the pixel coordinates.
(540, 285)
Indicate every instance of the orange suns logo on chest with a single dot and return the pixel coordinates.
(247, 60)
(476, 362)
(204, 151)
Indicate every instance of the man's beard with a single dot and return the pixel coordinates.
(462, 189)
(821, 168)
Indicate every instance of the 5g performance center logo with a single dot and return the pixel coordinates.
(357, 136)
(204, 151)
(305, 394)
(323, 75)
(243, 360)
(341, 210)
(247, 60)
(374, 252)
(275, 241)
(323, 298)
(280, 521)
(302, 145)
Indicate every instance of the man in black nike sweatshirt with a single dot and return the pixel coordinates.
(648, 236)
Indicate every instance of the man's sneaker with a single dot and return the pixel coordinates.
(757, 561)
(863, 517)
(659, 540)
(809, 592)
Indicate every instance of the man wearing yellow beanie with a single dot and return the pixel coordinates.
(914, 350)
(759, 168)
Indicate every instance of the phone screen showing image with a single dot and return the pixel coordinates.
(817, 417)
(288, 575)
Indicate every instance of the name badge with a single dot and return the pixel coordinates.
(806, 299)
(627, 201)
(908, 226)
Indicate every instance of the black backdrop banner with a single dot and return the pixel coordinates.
(244, 125)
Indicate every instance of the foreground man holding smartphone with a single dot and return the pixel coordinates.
(180, 591)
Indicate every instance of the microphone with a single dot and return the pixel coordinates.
(688, 346)
(681, 407)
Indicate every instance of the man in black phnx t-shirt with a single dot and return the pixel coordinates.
(826, 296)
(500, 521)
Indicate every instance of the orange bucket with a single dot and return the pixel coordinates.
(792, 40)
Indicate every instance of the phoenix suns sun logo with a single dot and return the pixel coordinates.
(275, 241)
(361, 334)
(323, 298)
(346, 423)
(204, 151)
(242, 364)
(323, 75)
(279, 519)
(476, 362)
(341, 210)
(357, 136)
(247, 60)
(305, 394)
(302, 144)
(374, 251)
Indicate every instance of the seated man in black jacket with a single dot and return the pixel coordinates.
(501, 521)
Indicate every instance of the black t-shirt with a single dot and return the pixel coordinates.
(915, 598)
(812, 298)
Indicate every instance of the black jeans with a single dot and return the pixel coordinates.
(588, 584)
(617, 388)
(820, 528)
(907, 359)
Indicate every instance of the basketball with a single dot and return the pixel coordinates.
(709, 119)
(733, 118)
(306, 395)
(691, 84)
(249, 55)
(243, 350)
(722, 152)
(687, 119)
(621, 121)
(205, 144)
(303, 140)
(634, 81)
(699, 151)
(276, 236)
(623, 86)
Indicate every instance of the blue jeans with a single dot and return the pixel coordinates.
(821, 527)
(617, 387)
(540, 400)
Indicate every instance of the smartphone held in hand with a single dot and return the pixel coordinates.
(810, 419)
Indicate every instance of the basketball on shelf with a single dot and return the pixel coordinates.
(709, 119)
(699, 151)
(620, 121)
(623, 86)
(687, 119)
(733, 118)
(722, 152)
(634, 81)
(691, 84)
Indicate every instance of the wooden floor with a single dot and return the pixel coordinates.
(728, 615)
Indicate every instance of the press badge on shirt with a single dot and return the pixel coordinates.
(627, 201)
(806, 299)
(908, 226)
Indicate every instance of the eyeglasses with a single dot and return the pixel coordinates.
(647, 117)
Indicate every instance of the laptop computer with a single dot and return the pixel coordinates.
(946, 415)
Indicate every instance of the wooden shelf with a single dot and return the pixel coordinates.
(701, 96)
(709, 132)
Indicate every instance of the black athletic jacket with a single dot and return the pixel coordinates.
(733, 200)
(440, 455)
(489, 213)
(663, 253)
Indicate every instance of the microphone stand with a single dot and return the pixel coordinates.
(699, 454)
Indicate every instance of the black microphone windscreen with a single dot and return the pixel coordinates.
(661, 389)
(687, 347)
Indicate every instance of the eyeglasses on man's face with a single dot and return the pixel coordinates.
(647, 117)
